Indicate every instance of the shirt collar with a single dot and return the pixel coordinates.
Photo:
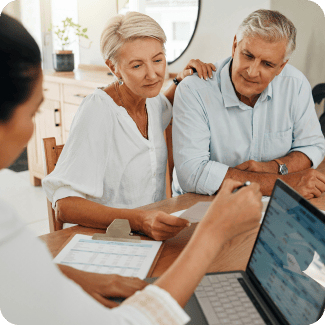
(228, 92)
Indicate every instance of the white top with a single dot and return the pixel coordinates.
(107, 160)
(34, 291)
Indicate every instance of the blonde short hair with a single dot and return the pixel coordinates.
(123, 28)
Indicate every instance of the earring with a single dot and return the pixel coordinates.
(120, 82)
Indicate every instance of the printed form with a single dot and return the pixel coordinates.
(106, 257)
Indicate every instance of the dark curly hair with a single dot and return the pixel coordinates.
(20, 62)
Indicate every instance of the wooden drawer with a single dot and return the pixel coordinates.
(51, 90)
(75, 94)
(69, 112)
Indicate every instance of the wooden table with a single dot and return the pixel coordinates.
(234, 256)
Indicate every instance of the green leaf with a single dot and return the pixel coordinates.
(84, 30)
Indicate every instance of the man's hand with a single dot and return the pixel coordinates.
(160, 225)
(310, 183)
(270, 167)
(103, 286)
(231, 214)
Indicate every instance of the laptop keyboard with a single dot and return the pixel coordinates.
(224, 301)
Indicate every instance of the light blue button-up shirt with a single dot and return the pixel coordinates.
(213, 130)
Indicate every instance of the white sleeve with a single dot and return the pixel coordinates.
(81, 166)
(307, 134)
(34, 291)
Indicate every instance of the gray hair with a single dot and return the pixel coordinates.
(123, 28)
(270, 25)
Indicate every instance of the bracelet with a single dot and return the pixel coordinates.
(175, 81)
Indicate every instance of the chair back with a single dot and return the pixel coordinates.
(52, 153)
(170, 160)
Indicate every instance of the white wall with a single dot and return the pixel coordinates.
(13, 9)
(309, 20)
(94, 15)
(216, 29)
(28, 13)
(217, 26)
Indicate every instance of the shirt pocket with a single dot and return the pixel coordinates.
(276, 144)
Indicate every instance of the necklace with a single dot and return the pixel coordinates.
(144, 134)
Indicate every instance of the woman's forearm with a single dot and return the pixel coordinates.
(91, 214)
(181, 279)
(229, 215)
(170, 92)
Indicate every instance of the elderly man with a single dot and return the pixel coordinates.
(254, 120)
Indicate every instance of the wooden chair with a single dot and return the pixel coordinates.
(170, 160)
(52, 153)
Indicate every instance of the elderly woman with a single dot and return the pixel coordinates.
(33, 290)
(115, 157)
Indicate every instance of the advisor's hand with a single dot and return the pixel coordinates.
(204, 70)
(259, 166)
(103, 286)
(161, 226)
(231, 214)
(310, 183)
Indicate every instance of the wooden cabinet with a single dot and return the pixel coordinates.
(47, 123)
(63, 93)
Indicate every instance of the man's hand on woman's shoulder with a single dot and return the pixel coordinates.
(204, 70)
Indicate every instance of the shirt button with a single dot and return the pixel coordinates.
(154, 174)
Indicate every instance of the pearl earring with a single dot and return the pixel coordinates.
(120, 82)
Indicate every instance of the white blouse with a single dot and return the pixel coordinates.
(34, 291)
(107, 160)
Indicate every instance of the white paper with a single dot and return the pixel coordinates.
(106, 257)
(195, 213)
(178, 213)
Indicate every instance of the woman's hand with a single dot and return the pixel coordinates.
(231, 214)
(160, 225)
(103, 286)
(204, 70)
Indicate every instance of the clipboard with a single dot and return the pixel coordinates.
(118, 232)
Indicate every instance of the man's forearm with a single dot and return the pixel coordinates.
(296, 161)
(265, 180)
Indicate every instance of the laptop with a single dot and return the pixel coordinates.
(284, 282)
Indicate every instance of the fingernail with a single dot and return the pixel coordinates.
(206, 79)
(202, 77)
(211, 77)
(188, 224)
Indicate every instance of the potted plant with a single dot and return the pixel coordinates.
(63, 60)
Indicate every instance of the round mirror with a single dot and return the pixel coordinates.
(178, 18)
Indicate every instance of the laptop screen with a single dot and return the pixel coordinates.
(288, 257)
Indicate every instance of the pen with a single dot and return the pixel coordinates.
(239, 187)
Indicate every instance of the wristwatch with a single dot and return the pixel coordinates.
(283, 170)
(175, 81)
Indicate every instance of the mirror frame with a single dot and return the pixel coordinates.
(195, 27)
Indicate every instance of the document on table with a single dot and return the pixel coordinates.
(106, 257)
(196, 212)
